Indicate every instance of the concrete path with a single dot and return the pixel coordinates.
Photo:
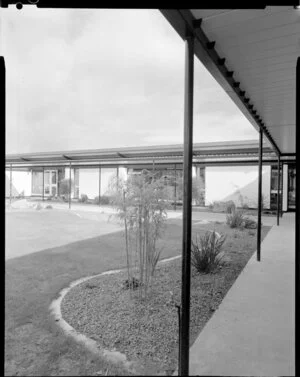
(253, 331)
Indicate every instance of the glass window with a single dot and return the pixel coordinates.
(53, 190)
(54, 177)
(274, 178)
(37, 183)
(47, 178)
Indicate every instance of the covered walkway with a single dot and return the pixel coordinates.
(253, 331)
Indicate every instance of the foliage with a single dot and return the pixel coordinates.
(132, 283)
(198, 189)
(220, 206)
(38, 206)
(237, 219)
(104, 200)
(249, 223)
(49, 206)
(141, 203)
(206, 251)
(64, 188)
(83, 198)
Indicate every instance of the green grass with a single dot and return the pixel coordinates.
(34, 345)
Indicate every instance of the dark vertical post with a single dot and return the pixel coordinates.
(278, 189)
(175, 187)
(99, 183)
(297, 202)
(153, 166)
(187, 205)
(10, 184)
(259, 195)
(43, 194)
(281, 191)
(70, 187)
(3, 102)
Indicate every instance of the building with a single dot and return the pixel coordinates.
(47, 175)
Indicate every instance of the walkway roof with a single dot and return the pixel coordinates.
(260, 48)
(221, 150)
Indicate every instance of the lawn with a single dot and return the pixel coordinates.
(34, 345)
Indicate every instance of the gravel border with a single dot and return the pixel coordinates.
(147, 332)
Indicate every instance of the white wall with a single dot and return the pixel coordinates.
(223, 183)
(89, 182)
(21, 182)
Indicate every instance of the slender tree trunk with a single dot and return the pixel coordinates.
(126, 242)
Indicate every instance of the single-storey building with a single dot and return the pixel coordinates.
(222, 171)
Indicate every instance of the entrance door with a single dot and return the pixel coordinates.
(292, 188)
(50, 188)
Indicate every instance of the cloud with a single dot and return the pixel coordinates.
(79, 79)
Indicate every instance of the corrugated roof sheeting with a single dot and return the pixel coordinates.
(261, 47)
(154, 152)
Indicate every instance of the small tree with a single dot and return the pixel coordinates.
(141, 206)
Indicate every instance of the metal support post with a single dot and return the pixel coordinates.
(297, 220)
(99, 183)
(259, 195)
(281, 191)
(10, 184)
(187, 206)
(70, 187)
(278, 190)
(175, 187)
(43, 194)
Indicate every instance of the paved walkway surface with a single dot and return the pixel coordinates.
(253, 331)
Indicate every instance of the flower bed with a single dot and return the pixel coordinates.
(147, 331)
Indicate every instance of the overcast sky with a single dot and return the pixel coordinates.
(80, 79)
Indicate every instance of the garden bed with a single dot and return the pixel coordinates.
(147, 331)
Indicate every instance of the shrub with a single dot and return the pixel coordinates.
(249, 223)
(227, 207)
(235, 219)
(49, 206)
(38, 207)
(96, 200)
(64, 188)
(238, 220)
(83, 198)
(104, 200)
(230, 207)
(206, 251)
(131, 283)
